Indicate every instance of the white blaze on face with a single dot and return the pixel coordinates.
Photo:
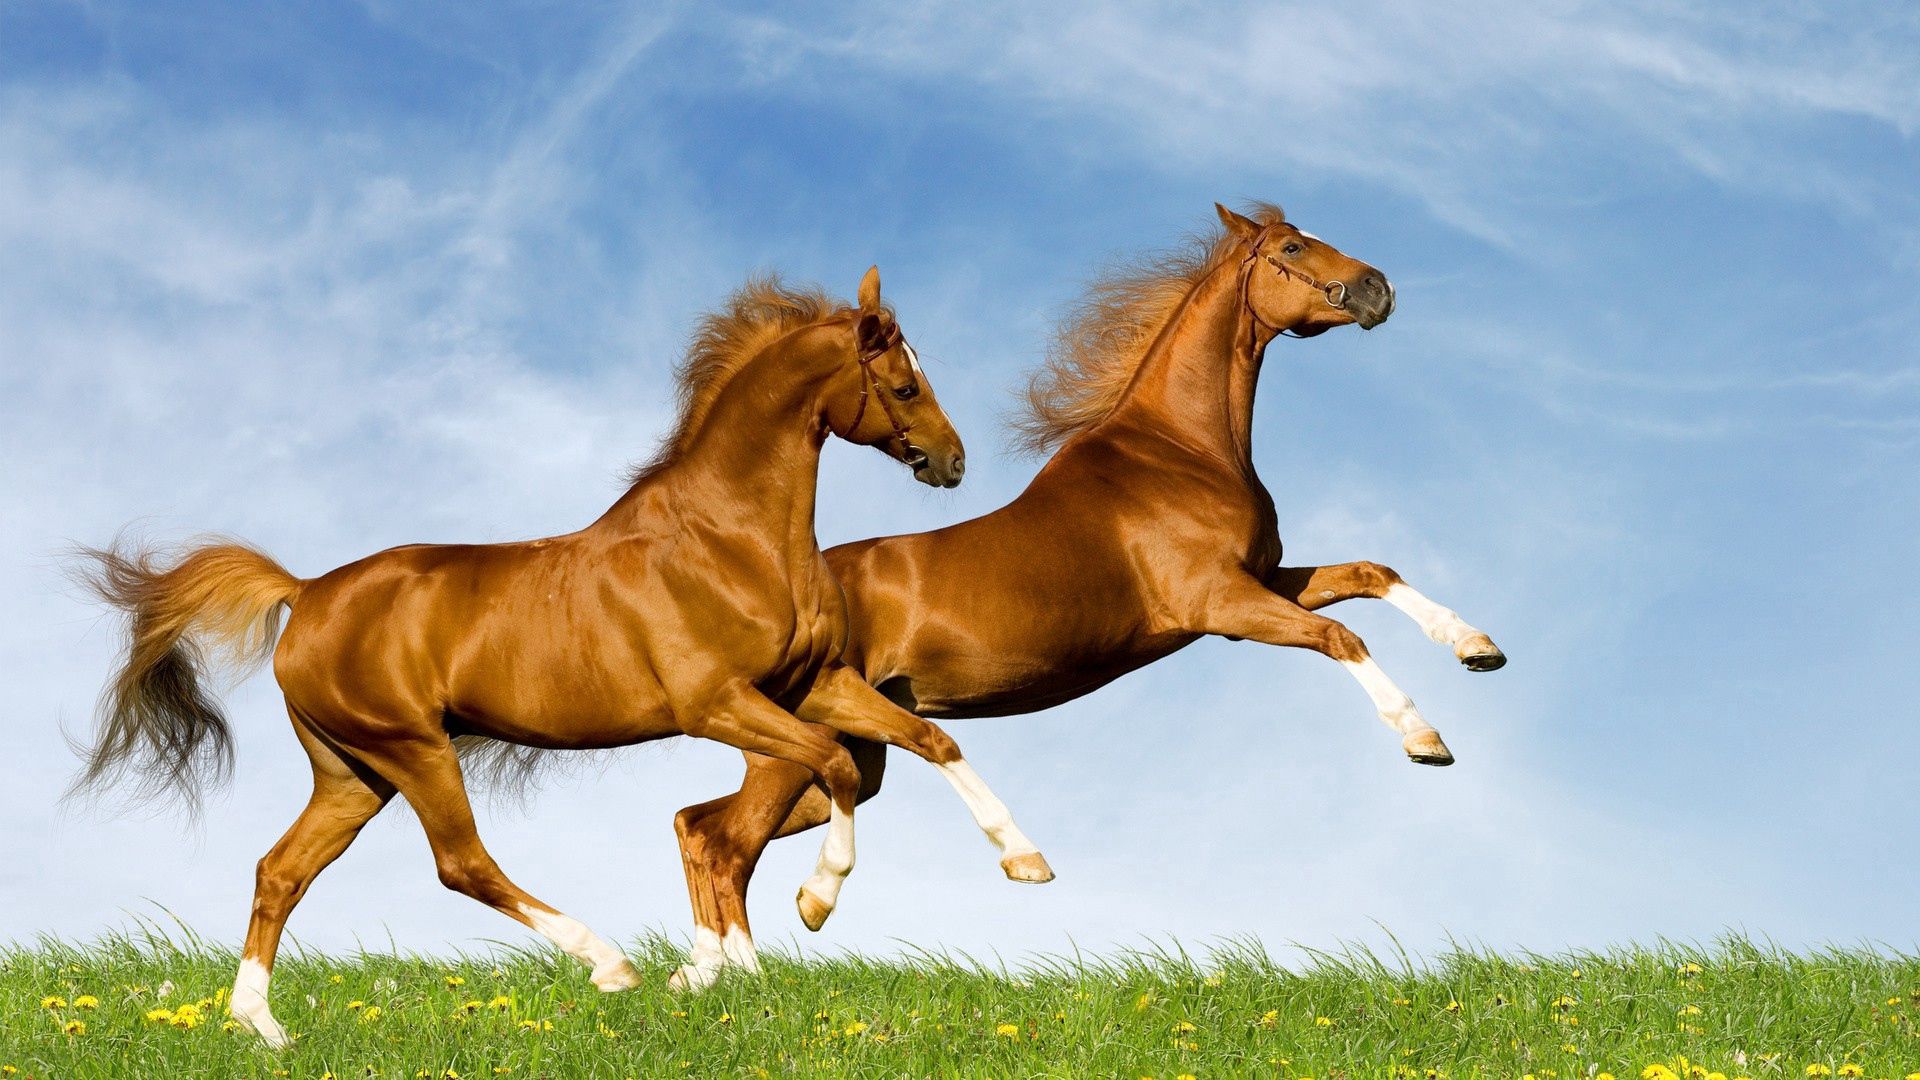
(913, 360)
(1396, 709)
(988, 811)
(1309, 235)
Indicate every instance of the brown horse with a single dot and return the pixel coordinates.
(699, 604)
(1147, 530)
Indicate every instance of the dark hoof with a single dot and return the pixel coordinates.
(1489, 661)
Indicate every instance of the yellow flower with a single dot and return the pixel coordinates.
(858, 1026)
(1403, 1001)
(1453, 1006)
(370, 1014)
(75, 1027)
(505, 1002)
(1213, 980)
(1569, 1048)
(1850, 1069)
(1183, 1027)
(159, 1016)
(1604, 1076)
(86, 1001)
(1140, 1003)
(1184, 1076)
(356, 1004)
(536, 1025)
(1008, 1030)
(1817, 1069)
(1716, 1076)
(1322, 1021)
(53, 1003)
(879, 1036)
(1575, 973)
(1269, 1018)
(1657, 1072)
(1689, 969)
(1564, 1002)
(335, 979)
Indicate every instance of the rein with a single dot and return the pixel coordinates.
(870, 387)
(1335, 291)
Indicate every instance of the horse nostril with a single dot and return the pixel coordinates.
(959, 467)
(1375, 284)
(915, 458)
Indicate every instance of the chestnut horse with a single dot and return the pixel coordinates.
(1147, 530)
(699, 604)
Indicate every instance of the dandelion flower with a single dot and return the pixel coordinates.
(1658, 1072)
(1140, 1003)
(1604, 1076)
(1817, 1069)
(1689, 1010)
(370, 1014)
(1269, 1018)
(1184, 1027)
(1323, 1021)
(356, 1004)
(1689, 969)
(858, 1026)
(335, 979)
(455, 980)
(86, 1001)
(536, 1025)
(1453, 1006)
(505, 1002)
(53, 1002)
(1008, 1030)
(74, 1027)
(1564, 1002)
(1850, 1069)
(1403, 1001)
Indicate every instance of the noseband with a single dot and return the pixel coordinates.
(870, 387)
(1334, 292)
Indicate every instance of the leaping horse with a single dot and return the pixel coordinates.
(698, 605)
(1147, 530)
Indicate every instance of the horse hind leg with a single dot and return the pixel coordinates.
(427, 772)
(345, 797)
(1315, 587)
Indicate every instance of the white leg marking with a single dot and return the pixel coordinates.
(1392, 703)
(836, 858)
(988, 811)
(249, 1004)
(611, 971)
(737, 945)
(1439, 623)
(703, 963)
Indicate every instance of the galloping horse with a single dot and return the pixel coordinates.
(1147, 530)
(699, 604)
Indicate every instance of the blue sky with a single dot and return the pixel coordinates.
(347, 276)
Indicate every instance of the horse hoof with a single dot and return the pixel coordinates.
(690, 979)
(1425, 748)
(615, 977)
(1479, 653)
(1031, 868)
(813, 910)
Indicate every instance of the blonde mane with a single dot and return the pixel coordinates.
(760, 312)
(1105, 333)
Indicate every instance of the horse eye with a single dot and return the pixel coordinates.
(907, 392)
(1292, 249)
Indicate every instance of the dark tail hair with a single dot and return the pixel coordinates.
(218, 604)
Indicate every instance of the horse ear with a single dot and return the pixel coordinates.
(1244, 227)
(873, 332)
(870, 290)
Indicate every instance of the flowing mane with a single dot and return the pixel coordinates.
(1105, 333)
(759, 312)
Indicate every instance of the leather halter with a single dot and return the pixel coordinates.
(1334, 292)
(870, 387)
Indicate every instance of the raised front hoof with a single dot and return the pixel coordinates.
(615, 977)
(1479, 653)
(1031, 868)
(691, 979)
(813, 910)
(1425, 748)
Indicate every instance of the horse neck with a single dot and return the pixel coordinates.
(1196, 383)
(753, 466)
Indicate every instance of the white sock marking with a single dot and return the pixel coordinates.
(611, 971)
(1439, 623)
(836, 857)
(249, 1004)
(988, 811)
(1394, 706)
(737, 945)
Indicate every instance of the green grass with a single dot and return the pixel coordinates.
(1234, 1013)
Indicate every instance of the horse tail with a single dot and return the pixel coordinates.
(217, 605)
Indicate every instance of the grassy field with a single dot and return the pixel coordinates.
(149, 1007)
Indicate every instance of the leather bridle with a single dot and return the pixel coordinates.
(1334, 292)
(870, 388)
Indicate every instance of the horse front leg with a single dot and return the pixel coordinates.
(842, 700)
(1241, 606)
(1315, 587)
